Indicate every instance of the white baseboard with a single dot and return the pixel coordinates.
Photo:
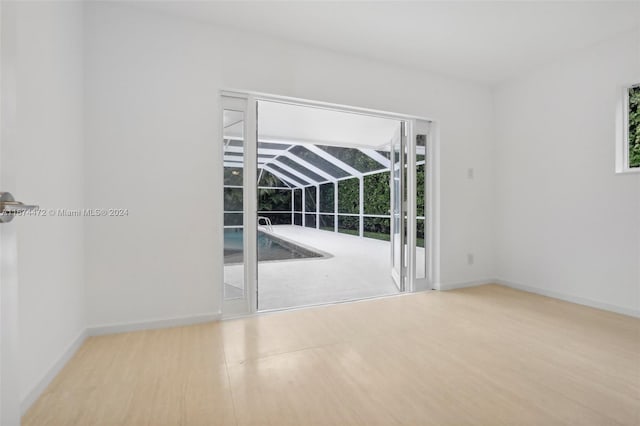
(53, 371)
(556, 295)
(35, 393)
(98, 330)
(463, 284)
(570, 298)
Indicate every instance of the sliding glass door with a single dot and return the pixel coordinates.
(294, 204)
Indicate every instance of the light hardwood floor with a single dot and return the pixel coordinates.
(487, 355)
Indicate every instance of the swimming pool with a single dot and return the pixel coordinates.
(270, 248)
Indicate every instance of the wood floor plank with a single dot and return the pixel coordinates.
(487, 355)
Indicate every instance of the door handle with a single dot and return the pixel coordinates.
(9, 207)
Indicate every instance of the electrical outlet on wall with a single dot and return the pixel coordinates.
(470, 259)
(470, 173)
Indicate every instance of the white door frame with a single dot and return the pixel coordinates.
(432, 225)
(9, 384)
(245, 304)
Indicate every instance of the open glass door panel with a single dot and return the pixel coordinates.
(238, 218)
(398, 203)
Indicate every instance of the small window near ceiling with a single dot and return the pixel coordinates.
(628, 156)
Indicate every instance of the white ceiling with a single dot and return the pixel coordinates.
(282, 122)
(482, 41)
(286, 122)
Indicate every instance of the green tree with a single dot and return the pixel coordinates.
(634, 127)
(353, 157)
(349, 196)
(377, 195)
(327, 204)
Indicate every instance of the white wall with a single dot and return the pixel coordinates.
(565, 223)
(119, 108)
(49, 173)
(151, 96)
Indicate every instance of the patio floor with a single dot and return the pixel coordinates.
(358, 268)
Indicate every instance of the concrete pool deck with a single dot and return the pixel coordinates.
(359, 268)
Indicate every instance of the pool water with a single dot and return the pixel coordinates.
(270, 248)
